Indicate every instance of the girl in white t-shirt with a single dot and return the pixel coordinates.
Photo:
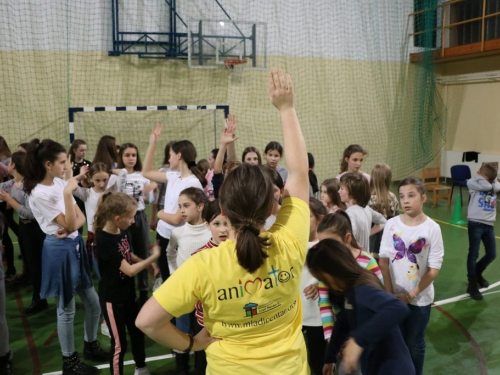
(355, 192)
(184, 241)
(137, 186)
(65, 265)
(184, 174)
(100, 181)
(411, 255)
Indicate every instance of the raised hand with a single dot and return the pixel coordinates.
(155, 134)
(72, 184)
(228, 135)
(280, 90)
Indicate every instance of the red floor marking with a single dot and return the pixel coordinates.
(29, 336)
(52, 336)
(477, 350)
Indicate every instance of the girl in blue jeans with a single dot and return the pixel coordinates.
(411, 255)
(65, 264)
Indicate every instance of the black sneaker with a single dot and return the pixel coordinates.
(36, 306)
(72, 365)
(92, 351)
(473, 290)
(482, 282)
(6, 367)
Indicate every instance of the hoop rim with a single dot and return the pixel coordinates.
(232, 62)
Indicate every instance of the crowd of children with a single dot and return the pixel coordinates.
(246, 255)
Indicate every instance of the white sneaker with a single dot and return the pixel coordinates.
(142, 371)
(105, 330)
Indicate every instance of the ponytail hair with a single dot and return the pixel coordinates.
(74, 146)
(110, 205)
(246, 198)
(188, 155)
(37, 154)
(18, 158)
(338, 223)
(313, 179)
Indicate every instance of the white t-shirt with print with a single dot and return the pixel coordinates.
(411, 252)
(134, 184)
(47, 203)
(175, 185)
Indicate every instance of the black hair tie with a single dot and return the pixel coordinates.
(191, 164)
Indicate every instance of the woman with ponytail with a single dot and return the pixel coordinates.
(183, 174)
(65, 264)
(249, 285)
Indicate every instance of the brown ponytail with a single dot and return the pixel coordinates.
(246, 198)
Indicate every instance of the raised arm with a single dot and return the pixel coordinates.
(226, 140)
(280, 91)
(147, 166)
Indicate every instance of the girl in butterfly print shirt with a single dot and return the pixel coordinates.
(411, 255)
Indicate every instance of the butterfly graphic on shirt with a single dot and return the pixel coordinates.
(411, 251)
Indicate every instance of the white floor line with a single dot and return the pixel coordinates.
(437, 303)
(126, 363)
(465, 296)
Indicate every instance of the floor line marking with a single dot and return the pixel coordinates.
(462, 296)
(475, 346)
(126, 363)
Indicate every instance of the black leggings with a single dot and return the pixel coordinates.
(316, 346)
(31, 240)
(162, 260)
(7, 241)
(120, 317)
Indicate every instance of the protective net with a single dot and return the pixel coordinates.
(349, 61)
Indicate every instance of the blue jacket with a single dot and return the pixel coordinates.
(372, 316)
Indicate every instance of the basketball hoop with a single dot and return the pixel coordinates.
(235, 67)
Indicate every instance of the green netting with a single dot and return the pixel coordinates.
(349, 60)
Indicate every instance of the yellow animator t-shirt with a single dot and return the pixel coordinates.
(258, 316)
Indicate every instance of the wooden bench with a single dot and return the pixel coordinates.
(430, 178)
